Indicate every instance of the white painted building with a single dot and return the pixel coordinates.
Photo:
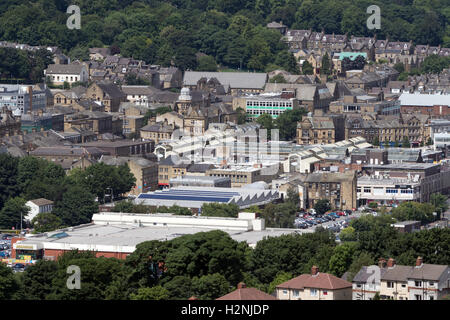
(384, 190)
(428, 281)
(38, 206)
(71, 73)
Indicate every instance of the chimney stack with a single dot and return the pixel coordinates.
(391, 263)
(314, 270)
(241, 285)
(419, 262)
(382, 263)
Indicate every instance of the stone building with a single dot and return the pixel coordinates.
(338, 188)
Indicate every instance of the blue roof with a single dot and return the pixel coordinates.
(190, 195)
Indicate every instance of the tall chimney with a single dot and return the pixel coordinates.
(391, 263)
(419, 262)
(241, 285)
(382, 263)
(315, 270)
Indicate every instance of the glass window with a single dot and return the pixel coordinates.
(313, 292)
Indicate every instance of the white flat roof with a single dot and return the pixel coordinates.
(125, 238)
(418, 99)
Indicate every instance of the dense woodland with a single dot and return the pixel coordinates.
(231, 33)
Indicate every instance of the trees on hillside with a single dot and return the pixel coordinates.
(12, 212)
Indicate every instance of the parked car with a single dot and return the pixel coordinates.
(19, 267)
(349, 212)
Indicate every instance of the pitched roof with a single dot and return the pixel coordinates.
(364, 274)
(158, 127)
(64, 69)
(244, 80)
(247, 294)
(139, 90)
(41, 202)
(111, 90)
(320, 281)
(117, 161)
(427, 272)
(396, 273)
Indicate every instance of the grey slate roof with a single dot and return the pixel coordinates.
(111, 90)
(363, 275)
(397, 273)
(117, 161)
(428, 272)
(64, 69)
(139, 90)
(236, 80)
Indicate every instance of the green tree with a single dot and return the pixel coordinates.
(98, 275)
(100, 179)
(348, 234)
(45, 222)
(206, 63)
(286, 123)
(364, 259)
(414, 211)
(37, 281)
(220, 210)
(289, 253)
(293, 196)
(8, 178)
(241, 115)
(179, 288)
(279, 279)
(210, 287)
(76, 207)
(400, 67)
(307, 68)
(326, 65)
(376, 141)
(154, 293)
(11, 213)
(278, 79)
(322, 206)
(341, 259)
(405, 142)
(205, 253)
(439, 201)
(434, 64)
(266, 121)
(8, 283)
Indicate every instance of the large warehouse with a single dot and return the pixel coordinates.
(118, 234)
(194, 197)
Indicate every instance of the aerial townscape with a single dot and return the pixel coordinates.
(224, 150)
